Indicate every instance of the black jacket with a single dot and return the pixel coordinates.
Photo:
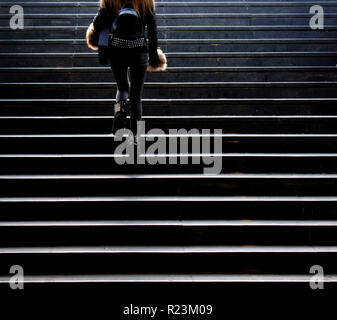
(104, 19)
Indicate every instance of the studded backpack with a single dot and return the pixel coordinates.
(127, 30)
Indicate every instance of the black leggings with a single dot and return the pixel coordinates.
(136, 62)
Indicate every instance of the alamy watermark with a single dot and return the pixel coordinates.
(205, 147)
(17, 279)
(317, 280)
(17, 20)
(317, 20)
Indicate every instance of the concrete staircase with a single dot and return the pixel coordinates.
(255, 69)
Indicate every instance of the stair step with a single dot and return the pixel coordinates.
(182, 32)
(232, 124)
(169, 259)
(179, 210)
(177, 19)
(172, 45)
(105, 164)
(223, 106)
(168, 199)
(168, 223)
(168, 177)
(169, 249)
(164, 232)
(167, 185)
(231, 143)
(170, 278)
(178, 59)
(184, 90)
(178, 7)
(178, 74)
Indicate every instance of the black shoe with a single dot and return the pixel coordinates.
(121, 111)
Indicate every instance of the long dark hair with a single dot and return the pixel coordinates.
(141, 6)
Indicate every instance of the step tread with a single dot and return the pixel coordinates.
(172, 15)
(201, 117)
(216, 117)
(224, 155)
(179, 4)
(183, 41)
(172, 223)
(174, 84)
(239, 176)
(171, 278)
(186, 28)
(167, 199)
(189, 69)
(180, 101)
(178, 54)
(220, 135)
(168, 249)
